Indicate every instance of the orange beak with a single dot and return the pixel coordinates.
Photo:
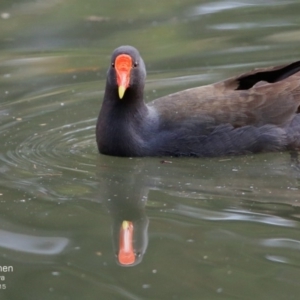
(123, 65)
(126, 254)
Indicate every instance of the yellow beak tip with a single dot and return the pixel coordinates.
(125, 225)
(121, 91)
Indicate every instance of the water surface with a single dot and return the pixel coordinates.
(222, 228)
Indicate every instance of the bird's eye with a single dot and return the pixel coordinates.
(113, 65)
(135, 64)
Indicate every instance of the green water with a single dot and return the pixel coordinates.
(209, 228)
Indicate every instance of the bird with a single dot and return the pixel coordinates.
(257, 111)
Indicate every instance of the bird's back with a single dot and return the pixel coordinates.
(225, 102)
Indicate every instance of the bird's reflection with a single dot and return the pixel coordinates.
(124, 191)
(129, 229)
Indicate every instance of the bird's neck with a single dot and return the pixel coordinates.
(131, 108)
(121, 123)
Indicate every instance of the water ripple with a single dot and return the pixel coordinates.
(49, 136)
(50, 147)
(232, 215)
(281, 243)
(32, 244)
(219, 6)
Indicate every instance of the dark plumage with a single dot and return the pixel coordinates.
(254, 112)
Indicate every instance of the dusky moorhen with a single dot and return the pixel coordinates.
(254, 112)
